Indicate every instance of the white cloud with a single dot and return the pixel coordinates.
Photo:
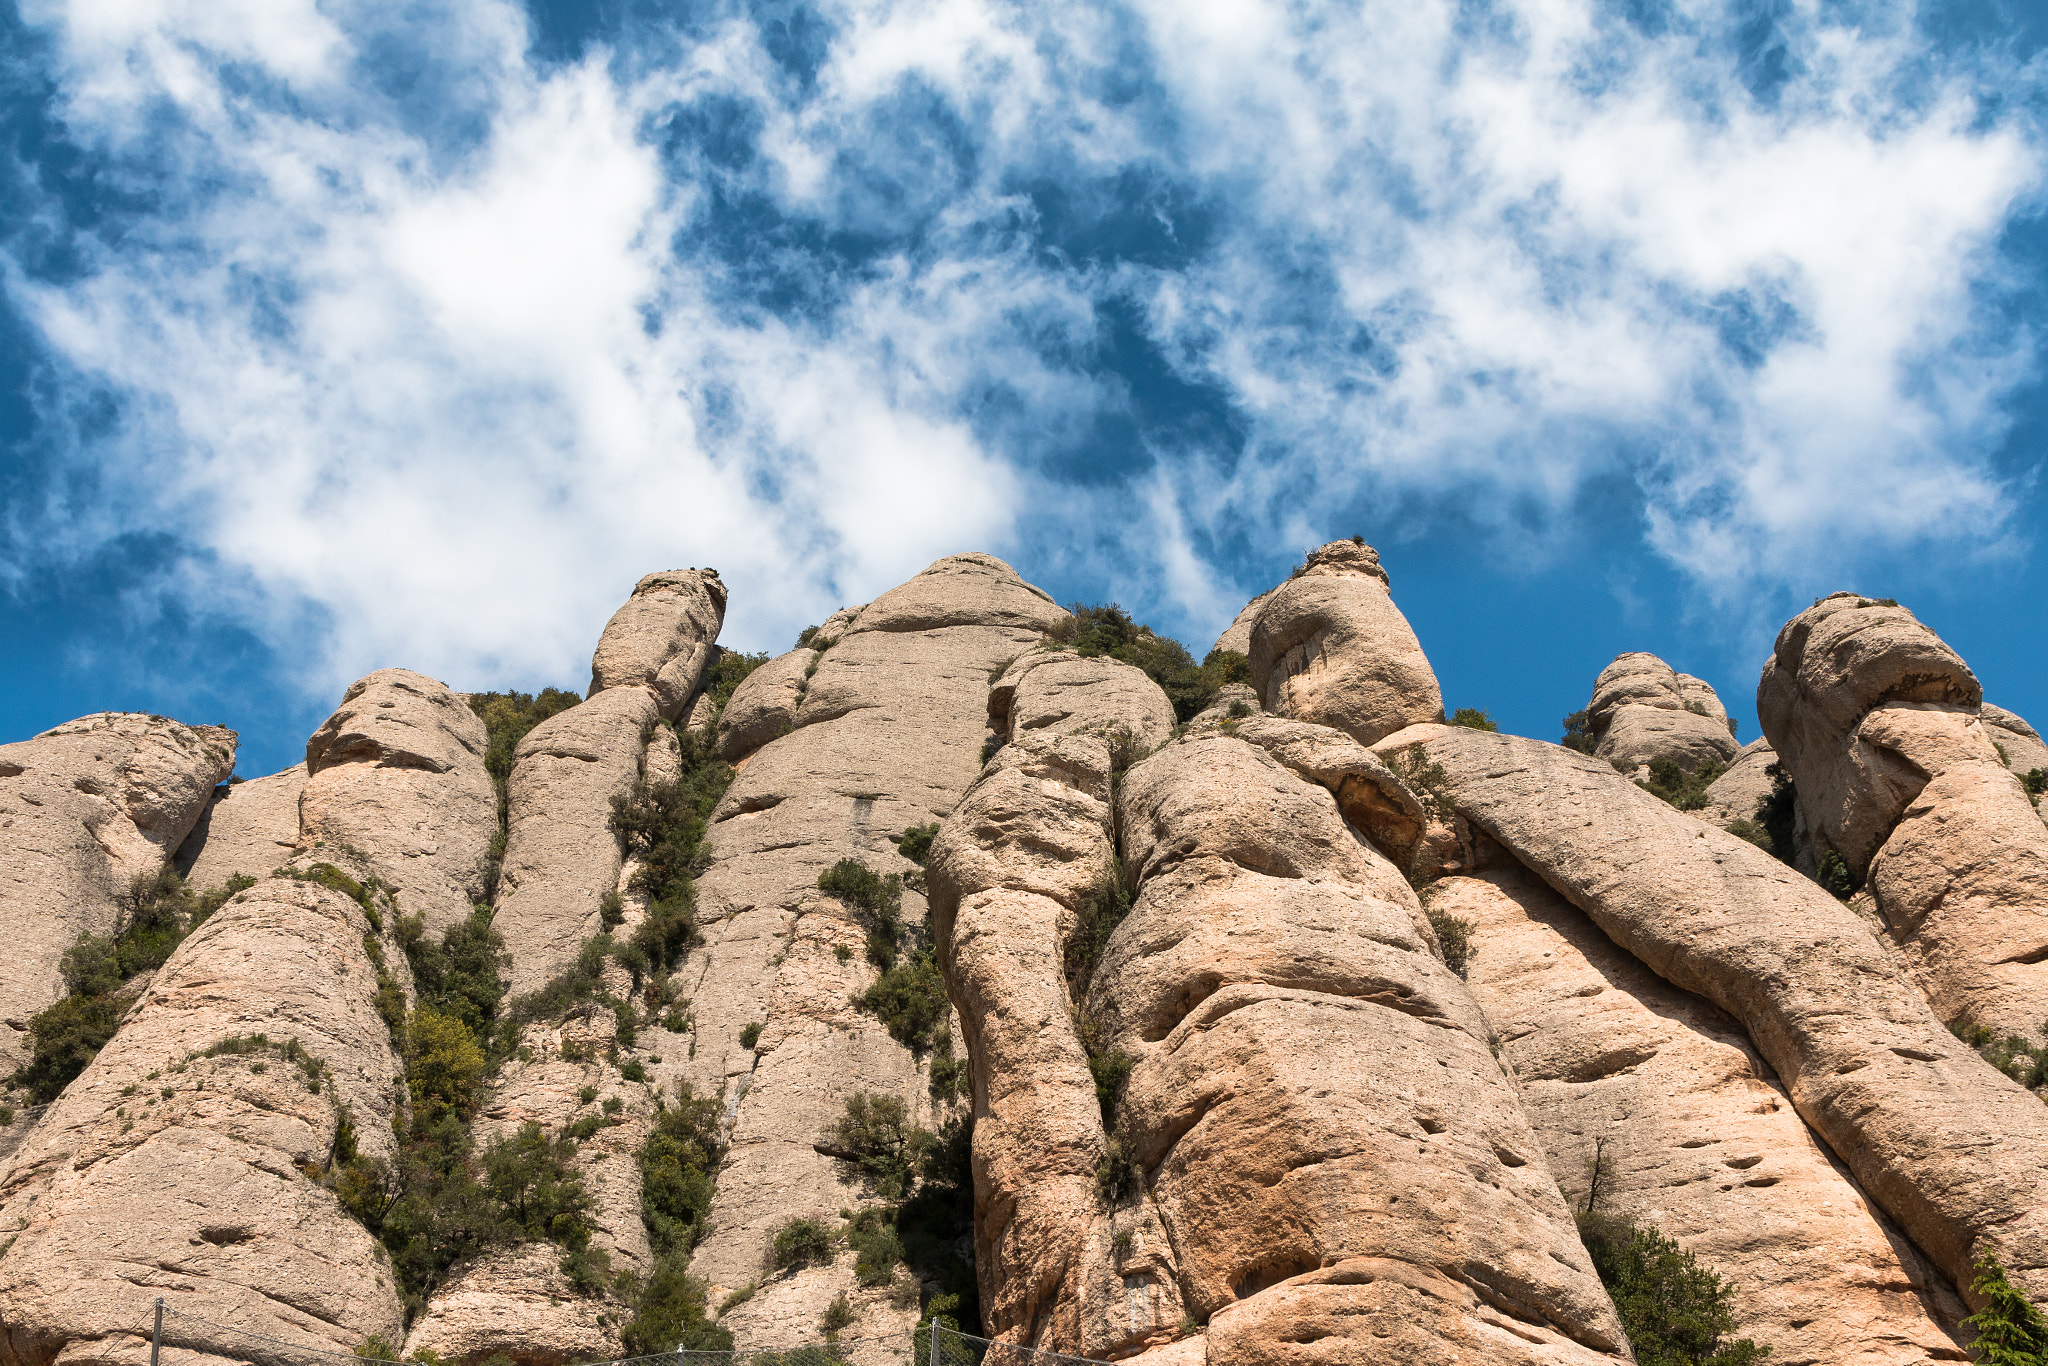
(449, 364)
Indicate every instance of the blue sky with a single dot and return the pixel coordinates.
(336, 336)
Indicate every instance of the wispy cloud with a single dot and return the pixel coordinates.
(428, 348)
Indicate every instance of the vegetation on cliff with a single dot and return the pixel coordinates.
(1106, 629)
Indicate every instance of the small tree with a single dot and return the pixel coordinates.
(2010, 1331)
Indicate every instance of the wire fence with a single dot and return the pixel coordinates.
(932, 1344)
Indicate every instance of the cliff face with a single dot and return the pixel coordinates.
(932, 968)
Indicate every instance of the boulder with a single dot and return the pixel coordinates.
(397, 775)
(888, 735)
(1643, 710)
(1736, 794)
(85, 810)
(1947, 1146)
(1329, 646)
(516, 1301)
(163, 1171)
(764, 705)
(248, 828)
(561, 857)
(2019, 744)
(1335, 1155)
(1010, 872)
(1690, 1132)
(662, 638)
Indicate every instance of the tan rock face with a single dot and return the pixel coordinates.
(1324, 1132)
(1009, 870)
(1736, 794)
(763, 707)
(85, 809)
(662, 638)
(1238, 637)
(1329, 646)
(2019, 744)
(1693, 1135)
(248, 828)
(888, 735)
(1643, 709)
(397, 774)
(1879, 723)
(162, 1173)
(519, 1302)
(1946, 1146)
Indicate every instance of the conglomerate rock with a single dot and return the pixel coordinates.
(86, 808)
(1643, 710)
(662, 638)
(1951, 1149)
(1736, 794)
(1896, 772)
(248, 828)
(397, 775)
(887, 735)
(1329, 646)
(1651, 1104)
(162, 1171)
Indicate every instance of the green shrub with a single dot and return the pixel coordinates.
(444, 1065)
(2010, 1331)
(871, 1233)
(1104, 907)
(2034, 782)
(1834, 876)
(668, 1311)
(1118, 1176)
(750, 1035)
(837, 1315)
(875, 1136)
(633, 1071)
(374, 1348)
(463, 976)
(2025, 1062)
(915, 843)
(676, 1163)
(927, 1186)
(910, 1000)
(876, 902)
(534, 1181)
(1109, 630)
(507, 717)
(1454, 934)
(1473, 719)
(1578, 732)
(727, 674)
(799, 1242)
(1777, 812)
(1670, 782)
(1675, 1311)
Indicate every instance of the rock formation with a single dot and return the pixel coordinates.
(1298, 1033)
(1898, 775)
(1644, 710)
(85, 809)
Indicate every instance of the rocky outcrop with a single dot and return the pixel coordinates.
(1896, 772)
(1321, 1126)
(1329, 646)
(512, 1302)
(1237, 638)
(1653, 1104)
(1736, 794)
(1948, 1147)
(1643, 710)
(248, 828)
(169, 1169)
(561, 857)
(1010, 873)
(888, 734)
(86, 809)
(396, 775)
(2019, 745)
(663, 638)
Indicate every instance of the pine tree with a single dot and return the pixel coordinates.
(2010, 1331)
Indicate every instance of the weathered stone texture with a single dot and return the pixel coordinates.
(1692, 1135)
(1953, 1151)
(519, 1302)
(1321, 1123)
(162, 1173)
(397, 775)
(1329, 646)
(888, 735)
(1643, 710)
(662, 638)
(85, 809)
(1736, 794)
(249, 828)
(2020, 745)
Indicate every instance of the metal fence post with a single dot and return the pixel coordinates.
(156, 1336)
(935, 1341)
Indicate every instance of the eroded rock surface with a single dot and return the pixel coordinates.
(85, 809)
(1691, 1134)
(663, 638)
(162, 1172)
(397, 775)
(1329, 646)
(1948, 1147)
(2019, 744)
(1643, 710)
(249, 828)
(1898, 774)
(1736, 794)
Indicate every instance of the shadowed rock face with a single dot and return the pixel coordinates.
(1949, 1148)
(1329, 646)
(1692, 1134)
(397, 775)
(1643, 710)
(85, 809)
(1736, 794)
(1898, 772)
(160, 1172)
(886, 733)
(248, 828)
(1333, 1151)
